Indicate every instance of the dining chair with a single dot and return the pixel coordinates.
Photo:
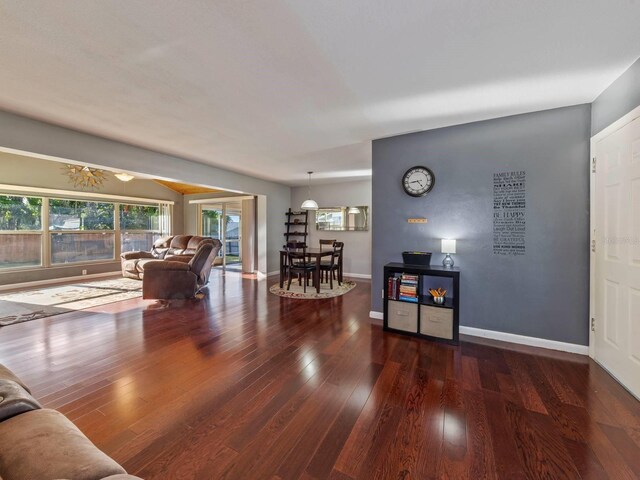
(334, 265)
(325, 244)
(298, 263)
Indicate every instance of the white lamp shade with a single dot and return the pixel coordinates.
(448, 246)
(309, 205)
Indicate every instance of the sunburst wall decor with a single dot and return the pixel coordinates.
(85, 177)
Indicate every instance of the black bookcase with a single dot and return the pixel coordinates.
(297, 226)
(424, 318)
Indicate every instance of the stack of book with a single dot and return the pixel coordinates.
(408, 288)
(393, 288)
(404, 287)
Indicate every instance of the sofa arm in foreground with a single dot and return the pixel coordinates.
(6, 374)
(44, 444)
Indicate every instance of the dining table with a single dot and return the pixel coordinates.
(312, 253)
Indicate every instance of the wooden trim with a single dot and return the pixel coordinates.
(215, 200)
(524, 340)
(55, 193)
(513, 338)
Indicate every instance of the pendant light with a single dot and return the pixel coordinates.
(309, 204)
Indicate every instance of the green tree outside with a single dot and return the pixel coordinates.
(20, 213)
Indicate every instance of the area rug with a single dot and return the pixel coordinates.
(325, 292)
(28, 305)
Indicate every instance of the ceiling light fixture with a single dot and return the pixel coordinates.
(124, 177)
(309, 204)
(83, 177)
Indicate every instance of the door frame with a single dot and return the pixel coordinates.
(605, 132)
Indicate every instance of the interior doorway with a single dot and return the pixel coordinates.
(224, 222)
(615, 250)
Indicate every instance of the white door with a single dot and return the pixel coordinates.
(616, 276)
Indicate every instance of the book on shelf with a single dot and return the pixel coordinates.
(403, 287)
(393, 288)
(409, 279)
(408, 298)
(410, 290)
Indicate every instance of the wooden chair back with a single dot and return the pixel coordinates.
(296, 254)
(326, 243)
(338, 247)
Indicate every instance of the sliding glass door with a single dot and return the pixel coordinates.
(232, 235)
(223, 221)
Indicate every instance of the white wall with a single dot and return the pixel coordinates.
(357, 245)
(39, 138)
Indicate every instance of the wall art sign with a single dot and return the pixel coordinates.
(509, 213)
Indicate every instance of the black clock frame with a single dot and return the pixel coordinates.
(418, 195)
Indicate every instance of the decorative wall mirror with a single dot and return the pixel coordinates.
(343, 219)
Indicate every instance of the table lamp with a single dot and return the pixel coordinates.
(448, 247)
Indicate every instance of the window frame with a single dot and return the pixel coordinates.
(40, 232)
(49, 252)
(165, 222)
(124, 231)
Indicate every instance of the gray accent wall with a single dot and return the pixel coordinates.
(544, 293)
(357, 245)
(617, 100)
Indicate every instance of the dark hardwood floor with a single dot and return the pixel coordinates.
(245, 384)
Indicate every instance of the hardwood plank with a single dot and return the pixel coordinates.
(244, 384)
(541, 451)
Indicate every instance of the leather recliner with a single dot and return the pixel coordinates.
(178, 247)
(178, 279)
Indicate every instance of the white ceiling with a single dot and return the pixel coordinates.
(274, 88)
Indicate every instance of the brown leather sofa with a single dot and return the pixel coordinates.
(179, 276)
(42, 444)
(165, 248)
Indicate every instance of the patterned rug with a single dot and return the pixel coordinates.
(325, 292)
(28, 305)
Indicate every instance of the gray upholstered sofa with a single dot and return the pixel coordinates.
(42, 444)
(178, 247)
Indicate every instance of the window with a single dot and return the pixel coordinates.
(20, 231)
(79, 215)
(81, 231)
(46, 232)
(139, 226)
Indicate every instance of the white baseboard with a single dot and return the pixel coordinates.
(52, 281)
(357, 275)
(271, 274)
(523, 340)
(512, 338)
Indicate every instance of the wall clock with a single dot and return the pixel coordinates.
(418, 181)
